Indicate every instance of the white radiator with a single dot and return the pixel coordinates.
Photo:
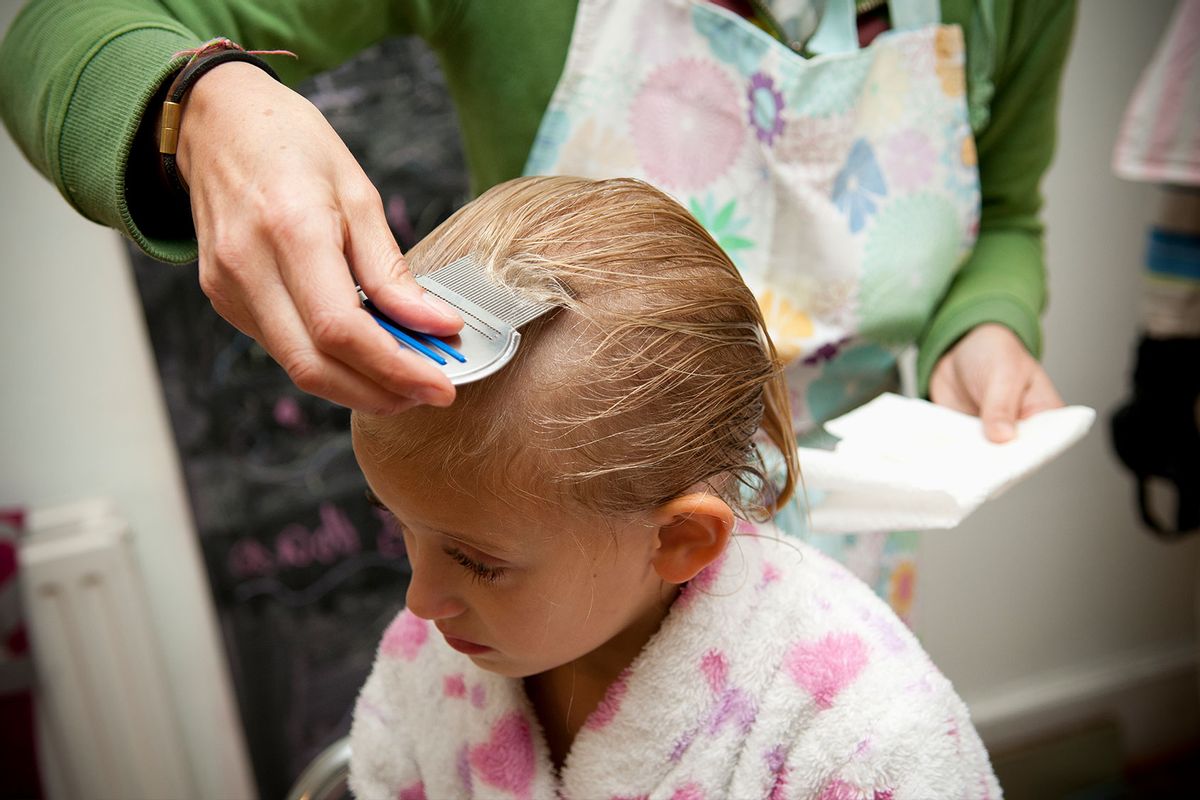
(107, 726)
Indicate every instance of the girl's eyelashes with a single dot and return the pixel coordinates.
(481, 572)
(484, 573)
(374, 500)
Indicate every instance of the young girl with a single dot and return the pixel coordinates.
(592, 613)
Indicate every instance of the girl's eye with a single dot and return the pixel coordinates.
(374, 500)
(479, 571)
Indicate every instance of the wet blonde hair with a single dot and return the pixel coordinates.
(651, 380)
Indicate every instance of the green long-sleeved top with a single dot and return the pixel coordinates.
(75, 80)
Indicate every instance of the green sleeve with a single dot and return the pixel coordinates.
(1003, 280)
(75, 78)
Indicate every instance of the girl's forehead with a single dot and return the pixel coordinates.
(478, 512)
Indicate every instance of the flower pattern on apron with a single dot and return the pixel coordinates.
(843, 185)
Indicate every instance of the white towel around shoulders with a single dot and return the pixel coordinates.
(776, 674)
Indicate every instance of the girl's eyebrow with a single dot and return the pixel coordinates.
(489, 548)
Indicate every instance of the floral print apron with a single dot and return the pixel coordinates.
(842, 182)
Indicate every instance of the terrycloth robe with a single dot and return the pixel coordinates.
(776, 674)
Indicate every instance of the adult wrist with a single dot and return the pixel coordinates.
(221, 92)
(170, 119)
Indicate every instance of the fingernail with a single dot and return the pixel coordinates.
(439, 305)
(1004, 430)
(432, 396)
(401, 407)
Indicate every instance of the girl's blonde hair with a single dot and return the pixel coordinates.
(651, 380)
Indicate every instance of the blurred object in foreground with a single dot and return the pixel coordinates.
(1157, 433)
(106, 723)
(1159, 140)
(18, 736)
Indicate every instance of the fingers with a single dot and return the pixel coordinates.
(282, 333)
(1041, 395)
(384, 274)
(318, 280)
(323, 354)
(990, 373)
(1034, 393)
(272, 225)
(1002, 401)
(232, 311)
(947, 390)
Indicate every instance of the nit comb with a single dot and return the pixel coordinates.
(491, 316)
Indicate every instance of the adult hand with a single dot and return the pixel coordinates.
(287, 223)
(990, 374)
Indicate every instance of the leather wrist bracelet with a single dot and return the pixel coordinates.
(204, 58)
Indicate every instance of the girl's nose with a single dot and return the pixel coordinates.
(430, 593)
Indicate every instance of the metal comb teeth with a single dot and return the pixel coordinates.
(467, 279)
(491, 315)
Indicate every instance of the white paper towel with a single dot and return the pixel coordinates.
(905, 464)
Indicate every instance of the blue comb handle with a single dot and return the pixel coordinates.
(440, 345)
(414, 339)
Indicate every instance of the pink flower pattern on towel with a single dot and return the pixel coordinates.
(715, 669)
(463, 766)
(729, 703)
(689, 791)
(777, 763)
(702, 583)
(826, 667)
(454, 685)
(611, 703)
(414, 792)
(506, 759)
(405, 636)
(839, 789)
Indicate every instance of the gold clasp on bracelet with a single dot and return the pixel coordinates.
(168, 130)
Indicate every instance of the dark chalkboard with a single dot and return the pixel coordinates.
(305, 574)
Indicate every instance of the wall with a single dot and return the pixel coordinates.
(1053, 597)
(1049, 605)
(81, 416)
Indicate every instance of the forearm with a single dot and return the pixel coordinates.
(1003, 280)
(76, 78)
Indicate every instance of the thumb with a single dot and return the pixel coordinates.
(1000, 405)
(384, 275)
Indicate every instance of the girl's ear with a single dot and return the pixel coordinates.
(693, 530)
